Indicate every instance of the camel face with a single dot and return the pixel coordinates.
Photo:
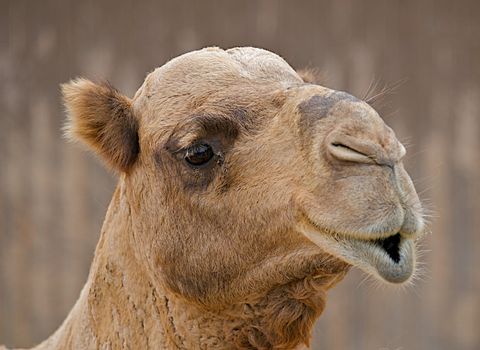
(363, 206)
(229, 157)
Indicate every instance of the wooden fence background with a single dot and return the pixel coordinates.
(53, 196)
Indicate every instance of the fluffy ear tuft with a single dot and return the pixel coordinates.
(309, 75)
(102, 118)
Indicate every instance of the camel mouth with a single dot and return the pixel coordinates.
(391, 245)
(390, 258)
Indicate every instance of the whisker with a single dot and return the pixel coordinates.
(371, 87)
(385, 91)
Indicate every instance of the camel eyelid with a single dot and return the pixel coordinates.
(201, 127)
(211, 124)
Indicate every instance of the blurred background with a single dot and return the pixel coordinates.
(53, 196)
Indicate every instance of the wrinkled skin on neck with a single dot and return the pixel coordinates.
(124, 304)
(300, 182)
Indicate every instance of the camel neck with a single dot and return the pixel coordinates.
(118, 307)
(122, 306)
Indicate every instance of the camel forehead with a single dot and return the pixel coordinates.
(223, 82)
(259, 63)
(217, 69)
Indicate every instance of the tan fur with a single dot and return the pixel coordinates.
(238, 254)
(102, 118)
(309, 75)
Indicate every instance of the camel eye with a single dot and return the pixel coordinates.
(198, 155)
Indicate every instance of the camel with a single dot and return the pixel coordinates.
(245, 193)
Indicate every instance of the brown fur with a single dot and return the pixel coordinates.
(103, 119)
(240, 252)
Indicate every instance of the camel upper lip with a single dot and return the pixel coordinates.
(390, 256)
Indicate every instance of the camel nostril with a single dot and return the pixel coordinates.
(341, 145)
(348, 152)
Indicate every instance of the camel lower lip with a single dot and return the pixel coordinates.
(395, 265)
(392, 258)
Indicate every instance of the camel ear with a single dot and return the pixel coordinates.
(309, 75)
(103, 119)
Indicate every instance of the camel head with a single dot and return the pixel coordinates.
(230, 162)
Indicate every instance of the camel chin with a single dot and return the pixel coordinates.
(390, 258)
